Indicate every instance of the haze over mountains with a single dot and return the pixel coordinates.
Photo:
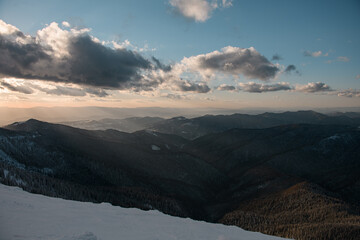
(70, 114)
(191, 128)
(292, 174)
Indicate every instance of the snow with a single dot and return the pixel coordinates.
(151, 132)
(155, 148)
(334, 137)
(29, 216)
(17, 123)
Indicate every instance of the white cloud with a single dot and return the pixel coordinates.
(226, 3)
(65, 24)
(313, 87)
(349, 93)
(58, 39)
(198, 10)
(339, 59)
(121, 45)
(358, 76)
(343, 59)
(7, 29)
(314, 54)
(35, 86)
(127, 44)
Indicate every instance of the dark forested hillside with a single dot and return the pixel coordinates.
(299, 180)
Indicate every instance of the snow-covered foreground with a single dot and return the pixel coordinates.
(29, 216)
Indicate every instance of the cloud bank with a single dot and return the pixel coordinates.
(350, 93)
(68, 56)
(253, 87)
(72, 56)
(311, 87)
(28, 87)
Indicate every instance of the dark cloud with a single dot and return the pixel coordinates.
(259, 88)
(96, 92)
(225, 87)
(89, 62)
(174, 96)
(276, 57)
(17, 88)
(94, 64)
(187, 86)
(18, 60)
(160, 65)
(291, 68)
(313, 87)
(233, 60)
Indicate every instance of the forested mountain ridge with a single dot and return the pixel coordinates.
(226, 177)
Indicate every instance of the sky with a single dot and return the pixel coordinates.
(180, 53)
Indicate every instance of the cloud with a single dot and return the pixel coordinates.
(357, 76)
(313, 54)
(70, 91)
(127, 44)
(160, 65)
(253, 87)
(233, 61)
(343, 59)
(276, 57)
(17, 88)
(339, 59)
(227, 3)
(313, 87)
(65, 24)
(28, 87)
(186, 86)
(225, 87)
(291, 68)
(70, 56)
(198, 10)
(193, 73)
(349, 93)
(96, 92)
(174, 96)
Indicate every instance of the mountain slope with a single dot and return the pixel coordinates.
(29, 216)
(145, 161)
(306, 211)
(213, 178)
(132, 124)
(200, 126)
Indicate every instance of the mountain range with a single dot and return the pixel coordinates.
(292, 174)
(192, 128)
